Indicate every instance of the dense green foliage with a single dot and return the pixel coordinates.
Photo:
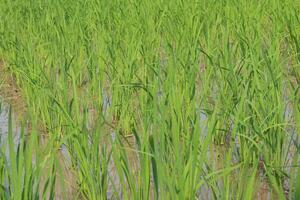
(188, 99)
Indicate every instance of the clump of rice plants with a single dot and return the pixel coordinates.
(151, 99)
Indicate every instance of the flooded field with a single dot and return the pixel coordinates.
(155, 99)
(68, 187)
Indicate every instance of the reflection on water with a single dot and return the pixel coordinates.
(4, 119)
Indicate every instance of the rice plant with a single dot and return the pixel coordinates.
(150, 99)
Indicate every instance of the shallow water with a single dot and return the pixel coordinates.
(4, 119)
(63, 155)
(205, 192)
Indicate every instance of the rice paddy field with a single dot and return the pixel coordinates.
(160, 99)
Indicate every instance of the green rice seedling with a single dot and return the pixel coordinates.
(21, 171)
(154, 99)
